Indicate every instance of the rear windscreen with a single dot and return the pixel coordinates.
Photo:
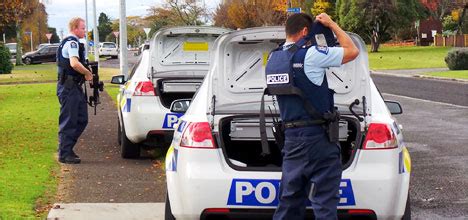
(108, 46)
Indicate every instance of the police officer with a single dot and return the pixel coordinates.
(73, 104)
(311, 162)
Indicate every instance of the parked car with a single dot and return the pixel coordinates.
(47, 53)
(215, 168)
(12, 48)
(108, 49)
(173, 68)
(40, 46)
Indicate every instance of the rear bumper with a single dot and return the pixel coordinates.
(201, 180)
(267, 214)
(144, 117)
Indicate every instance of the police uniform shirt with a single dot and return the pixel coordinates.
(317, 59)
(71, 49)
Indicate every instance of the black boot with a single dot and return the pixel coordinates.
(70, 159)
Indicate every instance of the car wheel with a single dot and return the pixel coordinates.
(27, 60)
(119, 133)
(168, 212)
(407, 214)
(128, 149)
(114, 57)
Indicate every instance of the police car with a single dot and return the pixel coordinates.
(173, 68)
(215, 169)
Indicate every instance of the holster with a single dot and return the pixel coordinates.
(332, 127)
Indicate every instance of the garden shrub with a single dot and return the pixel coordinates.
(457, 59)
(5, 64)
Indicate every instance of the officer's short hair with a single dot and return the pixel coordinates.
(74, 22)
(297, 22)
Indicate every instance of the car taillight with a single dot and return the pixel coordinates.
(144, 89)
(197, 135)
(379, 136)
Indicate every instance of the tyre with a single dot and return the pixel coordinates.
(114, 57)
(128, 149)
(119, 133)
(168, 212)
(27, 60)
(407, 214)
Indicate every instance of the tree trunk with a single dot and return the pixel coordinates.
(19, 43)
(461, 20)
(375, 43)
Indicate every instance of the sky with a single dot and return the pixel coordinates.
(61, 11)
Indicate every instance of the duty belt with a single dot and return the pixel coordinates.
(303, 123)
(64, 77)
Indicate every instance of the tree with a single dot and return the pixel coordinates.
(189, 12)
(16, 11)
(377, 19)
(250, 13)
(323, 6)
(161, 17)
(104, 26)
(437, 8)
(135, 31)
(37, 24)
(54, 38)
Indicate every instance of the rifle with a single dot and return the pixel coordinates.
(96, 85)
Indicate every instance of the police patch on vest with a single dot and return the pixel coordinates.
(298, 65)
(322, 49)
(277, 78)
(73, 45)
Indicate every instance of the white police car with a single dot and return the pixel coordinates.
(214, 167)
(173, 68)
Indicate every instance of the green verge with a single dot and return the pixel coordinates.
(46, 72)
(408, 58)
(112, 90)
(453, 74)
(28, 145)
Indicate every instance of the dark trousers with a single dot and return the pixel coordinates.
(311, 170)
(73, 115)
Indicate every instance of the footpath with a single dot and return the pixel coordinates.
(105, 186)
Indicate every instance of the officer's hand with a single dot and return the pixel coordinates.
(324, 19)
(89, 76)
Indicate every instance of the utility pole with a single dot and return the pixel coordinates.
(95, 34)
(86, 35)
(123, 40)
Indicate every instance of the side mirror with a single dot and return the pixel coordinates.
(180, 105)
(119, 79)
(394, 107)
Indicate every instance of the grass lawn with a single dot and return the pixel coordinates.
(408, 58)
(27, 149)
(112, 90)
(45, 72)
(453, 74)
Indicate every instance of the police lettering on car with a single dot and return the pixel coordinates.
(295, 73)
(73, 104)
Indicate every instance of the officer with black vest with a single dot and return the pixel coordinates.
(71, 58)
(311, 158)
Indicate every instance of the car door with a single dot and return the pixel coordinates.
(52, 54)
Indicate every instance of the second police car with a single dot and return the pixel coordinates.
(215, 169)
(172, 68)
